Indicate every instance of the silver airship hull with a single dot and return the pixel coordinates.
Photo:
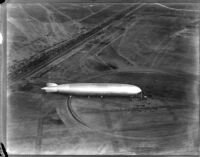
(94, 89)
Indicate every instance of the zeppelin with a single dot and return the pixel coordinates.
(109, 89)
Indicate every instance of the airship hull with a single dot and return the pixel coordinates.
(95, 89)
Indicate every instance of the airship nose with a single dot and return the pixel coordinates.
(138, 90)
(50, 89)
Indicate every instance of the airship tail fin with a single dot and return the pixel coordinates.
(51, 85)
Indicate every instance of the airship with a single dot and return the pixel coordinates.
(88, 89)
(101, 89)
